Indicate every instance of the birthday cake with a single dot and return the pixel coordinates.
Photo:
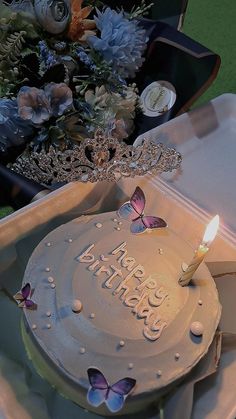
(111, 327)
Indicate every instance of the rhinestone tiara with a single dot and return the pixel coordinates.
(100, 158)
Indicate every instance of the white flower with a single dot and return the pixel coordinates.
(113, 110)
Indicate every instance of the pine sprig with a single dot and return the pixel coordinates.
(11, 47)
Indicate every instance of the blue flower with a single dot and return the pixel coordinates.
(60, 97)
(46, 55)
(122, 42)
(85, 58)
(33, 105)
(39, 105)
(13, 130)
(60, 46)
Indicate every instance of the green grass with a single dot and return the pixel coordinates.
(212, 23)
(5, 211)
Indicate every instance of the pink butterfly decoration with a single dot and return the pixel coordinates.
(112, 395)
(23, 296)
(134, 211)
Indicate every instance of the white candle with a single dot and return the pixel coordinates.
(201, 252)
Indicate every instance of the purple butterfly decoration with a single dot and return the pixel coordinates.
(23, 296)
(134, 211)
(101, 392)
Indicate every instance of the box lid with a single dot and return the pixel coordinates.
(206, 138)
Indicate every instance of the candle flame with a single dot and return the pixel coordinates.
(211, 230)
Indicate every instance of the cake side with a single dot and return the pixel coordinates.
(135, 319)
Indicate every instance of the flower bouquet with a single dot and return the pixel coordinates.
(71, 70)
(64, 75)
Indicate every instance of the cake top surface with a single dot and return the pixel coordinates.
(110, 300)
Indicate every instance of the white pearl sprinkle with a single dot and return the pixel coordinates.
(115, 220)
(70, 240)
(47, 269)
(122, 343)
(177, 355)
(48, 314)
(159, 373)
(82, 350)
(118, 228)
(34, 326)
(200, 302)
(98, 225)
(120, 223)
(76, 306)
(92, 315)
(50, 279)
(53, 286)
(48, 326)
(48, 244)
(131, 365)
(197, 328)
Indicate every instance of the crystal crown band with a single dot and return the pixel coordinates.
(101, 158)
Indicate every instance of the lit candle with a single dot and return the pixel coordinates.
(201, 252)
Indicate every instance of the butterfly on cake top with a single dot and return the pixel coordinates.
(133, 211)
(23, 297)
(112, 395)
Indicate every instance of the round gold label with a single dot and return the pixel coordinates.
(157, 98)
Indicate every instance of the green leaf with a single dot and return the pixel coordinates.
(11, 47)
(23, 22)
(18, 21)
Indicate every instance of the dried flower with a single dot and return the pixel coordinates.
(80, 27)
(112, 111)
(117, 128)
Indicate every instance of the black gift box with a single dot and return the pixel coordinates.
(173, 57)
(16, 190)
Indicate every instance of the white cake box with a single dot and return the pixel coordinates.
(187, 200)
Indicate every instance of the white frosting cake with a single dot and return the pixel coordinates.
(110, 300)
